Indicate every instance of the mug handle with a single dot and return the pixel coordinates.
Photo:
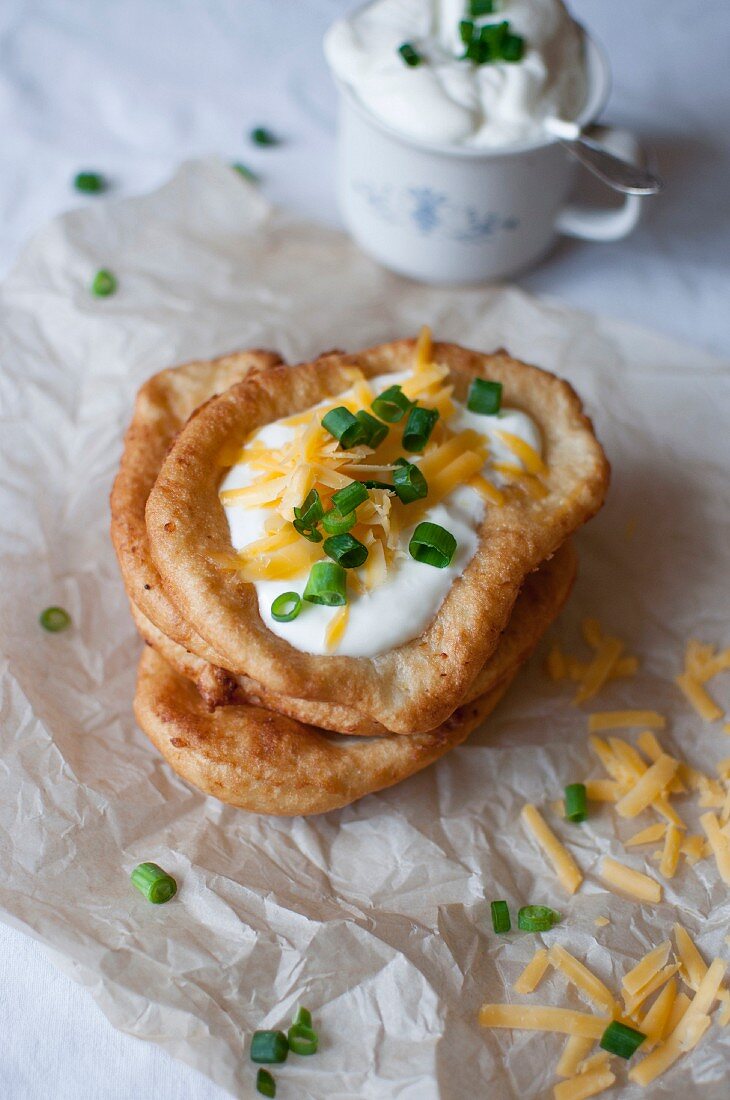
(593, 224)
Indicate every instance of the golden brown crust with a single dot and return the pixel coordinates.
(163, 405)
(267, 763)
(416, 685)
(539, 602)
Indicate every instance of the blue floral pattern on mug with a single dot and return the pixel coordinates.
(432, 213)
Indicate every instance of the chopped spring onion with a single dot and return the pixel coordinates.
(302, 1039)
(480, 7)
(537, 918)
(377, 431)
(513, 47)
(311, 534)
(419, 426)
(500, 916)
(89, 183)
(484, 397)
(372, 483)
(245, 171)
(621, 1040)
(408, 482)
(262, 136)
(311, 510)
(466, 31)
(347, 499)
(346, 550)
(410, 55)
(303, 1017)
(391, 404)
(576, 808)
(156, 885)
(326, 584)
(286, 607)
(54, 620)
(346, 428)
(104, 284)
(335, 523)
(265, 1083)
(269, 1047)
(432, 545)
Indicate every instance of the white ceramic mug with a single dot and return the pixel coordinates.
(456, 214)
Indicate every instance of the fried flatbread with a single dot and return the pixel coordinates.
(414, 686)
(163, 405)
(269, 764)
(538, 604)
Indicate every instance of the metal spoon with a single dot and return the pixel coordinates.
(621, 175)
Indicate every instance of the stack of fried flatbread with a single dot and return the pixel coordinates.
(235, 709)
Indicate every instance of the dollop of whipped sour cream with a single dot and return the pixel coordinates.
(403, 606)
(446, 99)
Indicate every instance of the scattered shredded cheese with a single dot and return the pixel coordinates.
(602, 790)
(649, 787)
(543, 1018)
(633, 1003)
(533, 973)
(599, 669)
(671, 852)
(646, 968)
(625, 719)
(575, 1050)
(719, 843)
(601, 922)
(632, 882)
(649, 835)
(585, 1085)
(565, 866)
(699, 697)
(655, 1023)
(582, 978)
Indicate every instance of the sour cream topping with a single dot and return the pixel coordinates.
(403, 606)
(447, 100)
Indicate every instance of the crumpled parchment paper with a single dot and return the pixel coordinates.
(376, 917)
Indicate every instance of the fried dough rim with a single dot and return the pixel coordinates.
(163, 404)
(413, 686)
(538, 604)
(264, 762)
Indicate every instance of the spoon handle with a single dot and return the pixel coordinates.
(619, 174)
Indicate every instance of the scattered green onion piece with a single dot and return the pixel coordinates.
(54, 620)
(391, 405)
(500, 917)
(269, 1047)
(89, 183)
(377, 431)
(480, 7)
(346, 428)
(419, 426)
(104, 284)
(156, 885)
(347, 499)
(346, 550)
(513, 47)
(484, 397)
(311, 534)
(408, 482)
(621, 1040)
(261, 136)
(311, 510)
(245, 171)
(303, 1017)
(265, 1083)
(537, 918)
(432, 544)
(576, 808)
(326, 584)
(466, 31)
(286, 607)
(410, 55)
(335, 523)
(302, 1039)
(373, 483)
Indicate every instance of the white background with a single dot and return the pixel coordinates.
(132, 88)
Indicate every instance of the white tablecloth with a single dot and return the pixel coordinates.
(134, 88)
